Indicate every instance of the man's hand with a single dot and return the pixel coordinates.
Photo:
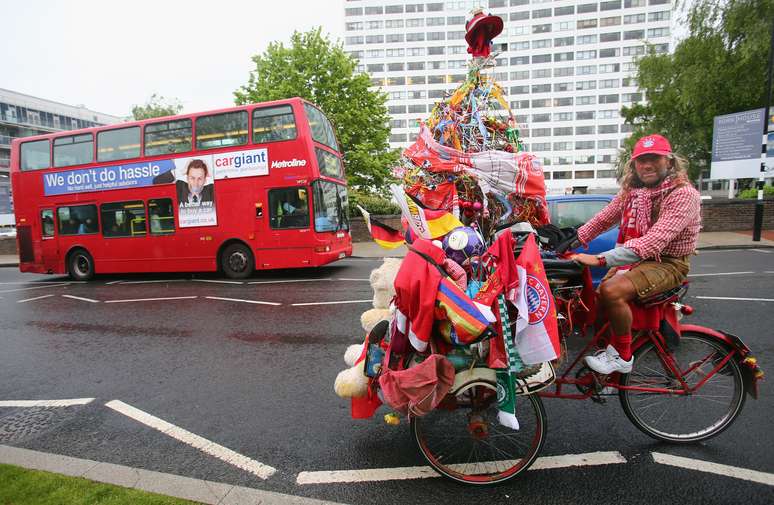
(585, 259)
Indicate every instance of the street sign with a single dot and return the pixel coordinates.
(736, 145)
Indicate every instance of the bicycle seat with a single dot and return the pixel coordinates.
(665, 297)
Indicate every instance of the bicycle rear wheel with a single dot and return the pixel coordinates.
(684, 418)
(463, 441)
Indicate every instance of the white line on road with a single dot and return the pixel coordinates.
(290, 280)
(720, 273)
(735, 299)
(33, 299)
(154, 281)
(348, 279)
(113, 282)
(241, 300)
(80, 298)
(767, 251)
(152, 299)
(36, 287)
(425, 472)
(216, 281)
(204, 445)
(45, 403)
(768, 271)
(715, 468)
(370, 300)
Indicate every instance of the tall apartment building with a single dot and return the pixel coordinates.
(567, 66)
(24, 115)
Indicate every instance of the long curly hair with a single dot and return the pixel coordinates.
(678, 170)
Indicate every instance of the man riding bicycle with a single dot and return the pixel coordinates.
(659, 215)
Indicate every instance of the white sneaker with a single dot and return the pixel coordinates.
(608, 362)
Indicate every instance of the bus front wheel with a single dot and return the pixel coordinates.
(237, 261)
(80, 266)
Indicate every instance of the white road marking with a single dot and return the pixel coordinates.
(735, 299)
(33, 299)
(714, 468)
(154, 281)
(767, 251)
(290, 280)
(257, 302)
(768, 271)
(152, 299)
(348, 279)
(222, 453)
(720, 273)
(36, 287)
(425, 472)
(45, 403)
(113, 282)
(80, 298)
(216, 281)
(370, 300)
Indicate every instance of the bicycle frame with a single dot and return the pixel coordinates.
(589, 379)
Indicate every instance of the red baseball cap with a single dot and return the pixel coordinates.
(651, 144)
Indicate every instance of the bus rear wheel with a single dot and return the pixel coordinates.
(237, 261)
(80, 265)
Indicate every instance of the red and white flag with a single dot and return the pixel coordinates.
(537, 334)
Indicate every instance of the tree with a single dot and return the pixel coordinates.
(720, 68)
(314, 68)
(157, 106)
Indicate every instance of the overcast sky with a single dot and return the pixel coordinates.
(111, 55)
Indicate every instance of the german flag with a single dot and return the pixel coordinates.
(427, 223)
(386, 236)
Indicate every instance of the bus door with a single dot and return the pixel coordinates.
(49, 245)
(290, 229)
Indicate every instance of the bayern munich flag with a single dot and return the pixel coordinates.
(537, 335)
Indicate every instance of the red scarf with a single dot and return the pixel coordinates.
(637, 216)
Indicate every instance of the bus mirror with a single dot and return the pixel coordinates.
(259, 209)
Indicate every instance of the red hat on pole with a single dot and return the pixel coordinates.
(652, 144)
(480, 31)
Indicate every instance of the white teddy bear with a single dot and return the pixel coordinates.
(352, 382)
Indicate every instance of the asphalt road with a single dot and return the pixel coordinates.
(258, 379)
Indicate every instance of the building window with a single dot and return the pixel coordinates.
(586, 70)
(635, 3)
(568, 56)
(541, 58)
(519, 90)
(520, 60)
(393, 23)
(634, 18)
(610, 6)
(608, 98)
(564, 41)
(564, 130)
(612, 21)
(585, 100)
(542, 102)
(353, 11)
(586, 55)
(587, 23)
(435, 50)
(519, 16)
(562, 86)
(564, 11)
(585, 130)
(633, 50)
(541, 73)
(416, 65)
(587, 39)
(396, 109)
(541, 118)
(541, 44)
(376, 67)
(563, 102)
(607, 144)
(394, 37)
(546, 28)
(370, 11)
(562, 174)
(541, 13)
(608, 83)
(519, 75)
(659, 16)
(395, 67)
(435, 21)
(634, 35)
(584, 115)
(610, 68)
(582, 9)
(610, 37)
(541, 88)
(541, 132)
(608, 128)
(658, 32)
(584, 174)
(563, 116)
(393, 9)
(584, 144)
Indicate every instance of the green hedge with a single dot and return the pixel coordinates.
(752, 193)
(372, 203)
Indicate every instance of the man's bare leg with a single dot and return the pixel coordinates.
(615, 295)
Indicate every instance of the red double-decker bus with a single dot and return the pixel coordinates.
(253, 187)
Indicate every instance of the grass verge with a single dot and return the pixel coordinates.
(19, 486)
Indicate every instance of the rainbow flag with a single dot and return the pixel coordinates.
(427, 223)
(467, 317)
(384, 235)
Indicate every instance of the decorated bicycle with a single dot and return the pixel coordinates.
(471, 324)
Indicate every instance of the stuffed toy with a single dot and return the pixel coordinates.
(381, 280)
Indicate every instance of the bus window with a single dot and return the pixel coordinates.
(73, 150)
(123, 219)
(118, 144)
(272, 124)
(330, 206)
(289, 208)
(329, 164)
(35, 155)
(47, 222)
(322, 131)
(221, 130)
(168, 137)
(77, 219)
(162, 216)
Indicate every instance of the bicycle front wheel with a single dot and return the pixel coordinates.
(463, 440)
(682, 417)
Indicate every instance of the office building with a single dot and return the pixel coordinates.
(567, 67)
(24, 115)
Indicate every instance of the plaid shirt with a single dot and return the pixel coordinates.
(674, 233)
